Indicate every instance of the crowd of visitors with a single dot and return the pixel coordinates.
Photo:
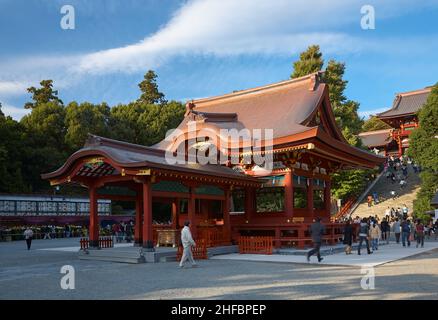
(372, 231)
(396, 169)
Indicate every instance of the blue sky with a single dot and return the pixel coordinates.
(210, 47)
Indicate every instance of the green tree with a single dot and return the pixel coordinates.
(149, 90)
(429, 186)
(45, 149)
(351, 182)
(11, 151)
(310, 61)
(423, 148)
(84, 118)
(423, 144)
(145, 124)
(374, 124)
(42, 95)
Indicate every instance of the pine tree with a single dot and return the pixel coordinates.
(344, 183)
(149, 88)
(42, 95)
(310, 61)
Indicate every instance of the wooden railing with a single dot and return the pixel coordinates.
(104, 242)
(292, 235)
(199, 252)
(213, 236)
(345, 209)
(257, 245)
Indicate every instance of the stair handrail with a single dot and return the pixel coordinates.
(344, 209)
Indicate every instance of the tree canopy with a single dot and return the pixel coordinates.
(310, 61)
(351, 182)
(374, 124)
(423, 148)
(42, 140)
(149, 90)
(42, 95)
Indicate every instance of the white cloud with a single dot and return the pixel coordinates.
(15, 112)
(221, 28)
(228, 27)
(11, 88)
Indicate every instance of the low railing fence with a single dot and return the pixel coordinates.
(199, 251)
(104, 242)
(254, 244)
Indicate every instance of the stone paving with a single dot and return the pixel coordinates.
(385, 254)
(35, 274)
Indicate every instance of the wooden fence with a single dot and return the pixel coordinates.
(199, 252)
(104, 242)
(213, 236)
(258, 245)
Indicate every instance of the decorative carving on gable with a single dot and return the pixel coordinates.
(290, 158)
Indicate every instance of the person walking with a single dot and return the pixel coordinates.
(316, 231)
(363, 236)
(369, 200)
(405, 211)
(188, 243)
(419, 230)
(435, 229)
(397, 230)
(47, 232)
(28, 235)
(375, 235)
(406, 232)
(386, 229)
(348, 237)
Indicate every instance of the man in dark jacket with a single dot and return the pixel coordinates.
(364, 230)
(384, 226)
(316, 231)
(406, 232)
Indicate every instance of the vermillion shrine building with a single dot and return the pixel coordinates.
(402, 117)
(232, 198)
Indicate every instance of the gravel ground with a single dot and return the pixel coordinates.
(36, 274)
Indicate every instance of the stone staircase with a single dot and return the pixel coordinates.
(383, 188)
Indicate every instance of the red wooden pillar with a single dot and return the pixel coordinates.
(327, 198)
(226, 214)
(192, 212)
(94, 219)
(288, 193)
(311, 211)
(175, 213)
(138, 234)
(148, 242)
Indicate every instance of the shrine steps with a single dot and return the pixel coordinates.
(129, 255)
(138, 255)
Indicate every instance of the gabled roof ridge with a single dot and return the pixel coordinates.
(375, 131)
(315, 78)
(414, 92)
(94, 141)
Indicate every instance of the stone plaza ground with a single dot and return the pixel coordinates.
(35, 274)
